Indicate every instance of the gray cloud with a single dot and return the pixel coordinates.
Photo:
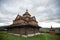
(44, 10)
(51, 12)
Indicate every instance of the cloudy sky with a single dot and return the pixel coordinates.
(47, 12)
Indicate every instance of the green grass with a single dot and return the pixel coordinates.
(6, 36)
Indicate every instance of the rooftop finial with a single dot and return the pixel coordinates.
(26, 10)
(51, 26)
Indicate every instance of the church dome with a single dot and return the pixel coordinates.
(26, 13)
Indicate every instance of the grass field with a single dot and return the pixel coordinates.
(44, 36)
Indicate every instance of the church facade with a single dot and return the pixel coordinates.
(24, 25)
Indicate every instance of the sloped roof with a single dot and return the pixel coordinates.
(18, 17)
(21, 26)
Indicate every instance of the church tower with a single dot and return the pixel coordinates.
(52, 30)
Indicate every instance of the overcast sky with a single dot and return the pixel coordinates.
(47, 12)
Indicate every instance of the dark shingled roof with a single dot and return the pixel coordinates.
(21, 26)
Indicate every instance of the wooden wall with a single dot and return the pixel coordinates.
(23, 31)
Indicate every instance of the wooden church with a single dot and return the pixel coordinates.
(24, 25)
